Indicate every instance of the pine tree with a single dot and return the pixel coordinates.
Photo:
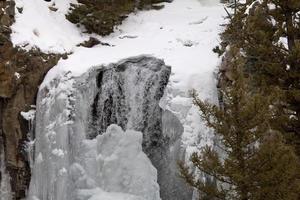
(257, 165)
(268, 34)
(277, 63)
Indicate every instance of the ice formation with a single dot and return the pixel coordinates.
(5, 188)
(74, 155)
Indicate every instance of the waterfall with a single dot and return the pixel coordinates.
(73, 133)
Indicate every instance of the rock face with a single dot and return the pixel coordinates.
(73, 110)
(20, 74)
(7, 13)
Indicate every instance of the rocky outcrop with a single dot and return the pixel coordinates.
(7, 13)
(101, 17)
(21, 73)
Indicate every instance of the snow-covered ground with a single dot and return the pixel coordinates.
(183, 34)
(36, 25)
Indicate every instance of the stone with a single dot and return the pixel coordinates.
(90, 43)
(10, 8)
(52, 8)
(5, 20)
(20, 9)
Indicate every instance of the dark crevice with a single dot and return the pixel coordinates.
(99, 78)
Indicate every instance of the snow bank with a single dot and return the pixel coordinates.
(38, 26)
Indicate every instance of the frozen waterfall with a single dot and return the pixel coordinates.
(80, 155)
(5, 189)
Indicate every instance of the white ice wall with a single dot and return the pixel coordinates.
(68, 166)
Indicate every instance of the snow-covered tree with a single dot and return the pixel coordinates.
(267, 34)
(257, 165)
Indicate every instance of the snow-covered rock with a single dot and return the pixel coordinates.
(38, 26)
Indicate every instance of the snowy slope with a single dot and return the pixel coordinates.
(38, 26)
(183, 34)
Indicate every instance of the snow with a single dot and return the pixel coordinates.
(58, 152)
(284, 42)
(17, 75)
(38, 26)
(250, 7)
(271, 6)
(29, 115)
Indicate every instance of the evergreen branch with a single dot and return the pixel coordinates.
(229, 15)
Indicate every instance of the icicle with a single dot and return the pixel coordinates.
(30, 117)
(5, 189)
